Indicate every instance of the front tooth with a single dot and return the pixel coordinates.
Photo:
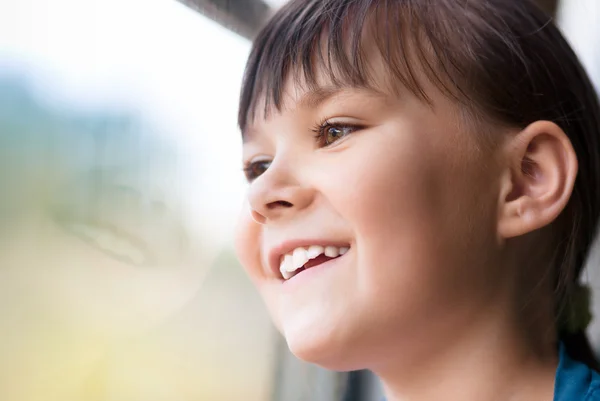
(314, 251)
(300, 258)
(282, 266)
(332, 251)
(344, 250)
(286, 267)
(289, 263)
(287, 275)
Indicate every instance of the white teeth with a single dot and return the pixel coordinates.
(332, 251)
(299, 256)
(314, 251)
(286, 267)
(287, 275)
(288, 263)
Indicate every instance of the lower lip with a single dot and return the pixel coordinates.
(306, 275)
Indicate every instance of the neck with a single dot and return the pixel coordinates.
(484, 362)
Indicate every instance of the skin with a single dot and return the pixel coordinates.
(441, 226)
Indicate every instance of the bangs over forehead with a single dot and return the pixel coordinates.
(309, 41)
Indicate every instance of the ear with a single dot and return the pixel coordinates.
(538, 179)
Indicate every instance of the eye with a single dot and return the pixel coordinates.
(255, 169)
(329, 133)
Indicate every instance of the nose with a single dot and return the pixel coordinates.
(277, 193)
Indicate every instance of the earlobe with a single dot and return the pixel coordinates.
(541, 167)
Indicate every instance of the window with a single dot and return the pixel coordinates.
(121, 180)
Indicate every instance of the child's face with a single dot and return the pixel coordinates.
(405, 187)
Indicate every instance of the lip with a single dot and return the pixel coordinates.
(275, 254)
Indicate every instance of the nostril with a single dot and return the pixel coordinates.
(273, 205)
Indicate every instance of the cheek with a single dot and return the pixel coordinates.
(398, 219)
(398, 189)
(415, 209)
(247, 244)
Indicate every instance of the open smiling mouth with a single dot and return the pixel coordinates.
(303, 258)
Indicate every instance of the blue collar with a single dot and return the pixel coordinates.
(574, 380)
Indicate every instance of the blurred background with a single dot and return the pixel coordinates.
(120, 184)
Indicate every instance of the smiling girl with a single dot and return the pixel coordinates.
(423, 195)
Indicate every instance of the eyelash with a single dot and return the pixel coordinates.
(249, 169)
(320, 131)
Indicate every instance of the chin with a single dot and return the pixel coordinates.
(322, 347)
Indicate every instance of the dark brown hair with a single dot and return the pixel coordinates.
(504, 60)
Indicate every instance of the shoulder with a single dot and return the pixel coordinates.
(593, 393)
(594, 390)
(575, 381)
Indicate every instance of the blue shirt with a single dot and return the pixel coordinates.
(574, 380)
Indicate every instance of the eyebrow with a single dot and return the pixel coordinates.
(314, 98)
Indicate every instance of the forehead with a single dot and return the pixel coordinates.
(326, 82)
(327, 58)
(358, 56)
(300, 99)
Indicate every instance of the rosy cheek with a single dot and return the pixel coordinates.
(248, 245)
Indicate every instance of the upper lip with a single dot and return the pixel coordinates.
(275, 253)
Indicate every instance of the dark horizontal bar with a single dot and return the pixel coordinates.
(242, 16)
(247, 16)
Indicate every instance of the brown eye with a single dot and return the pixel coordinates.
(333, 134)
(330, 133)
(256, 169)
